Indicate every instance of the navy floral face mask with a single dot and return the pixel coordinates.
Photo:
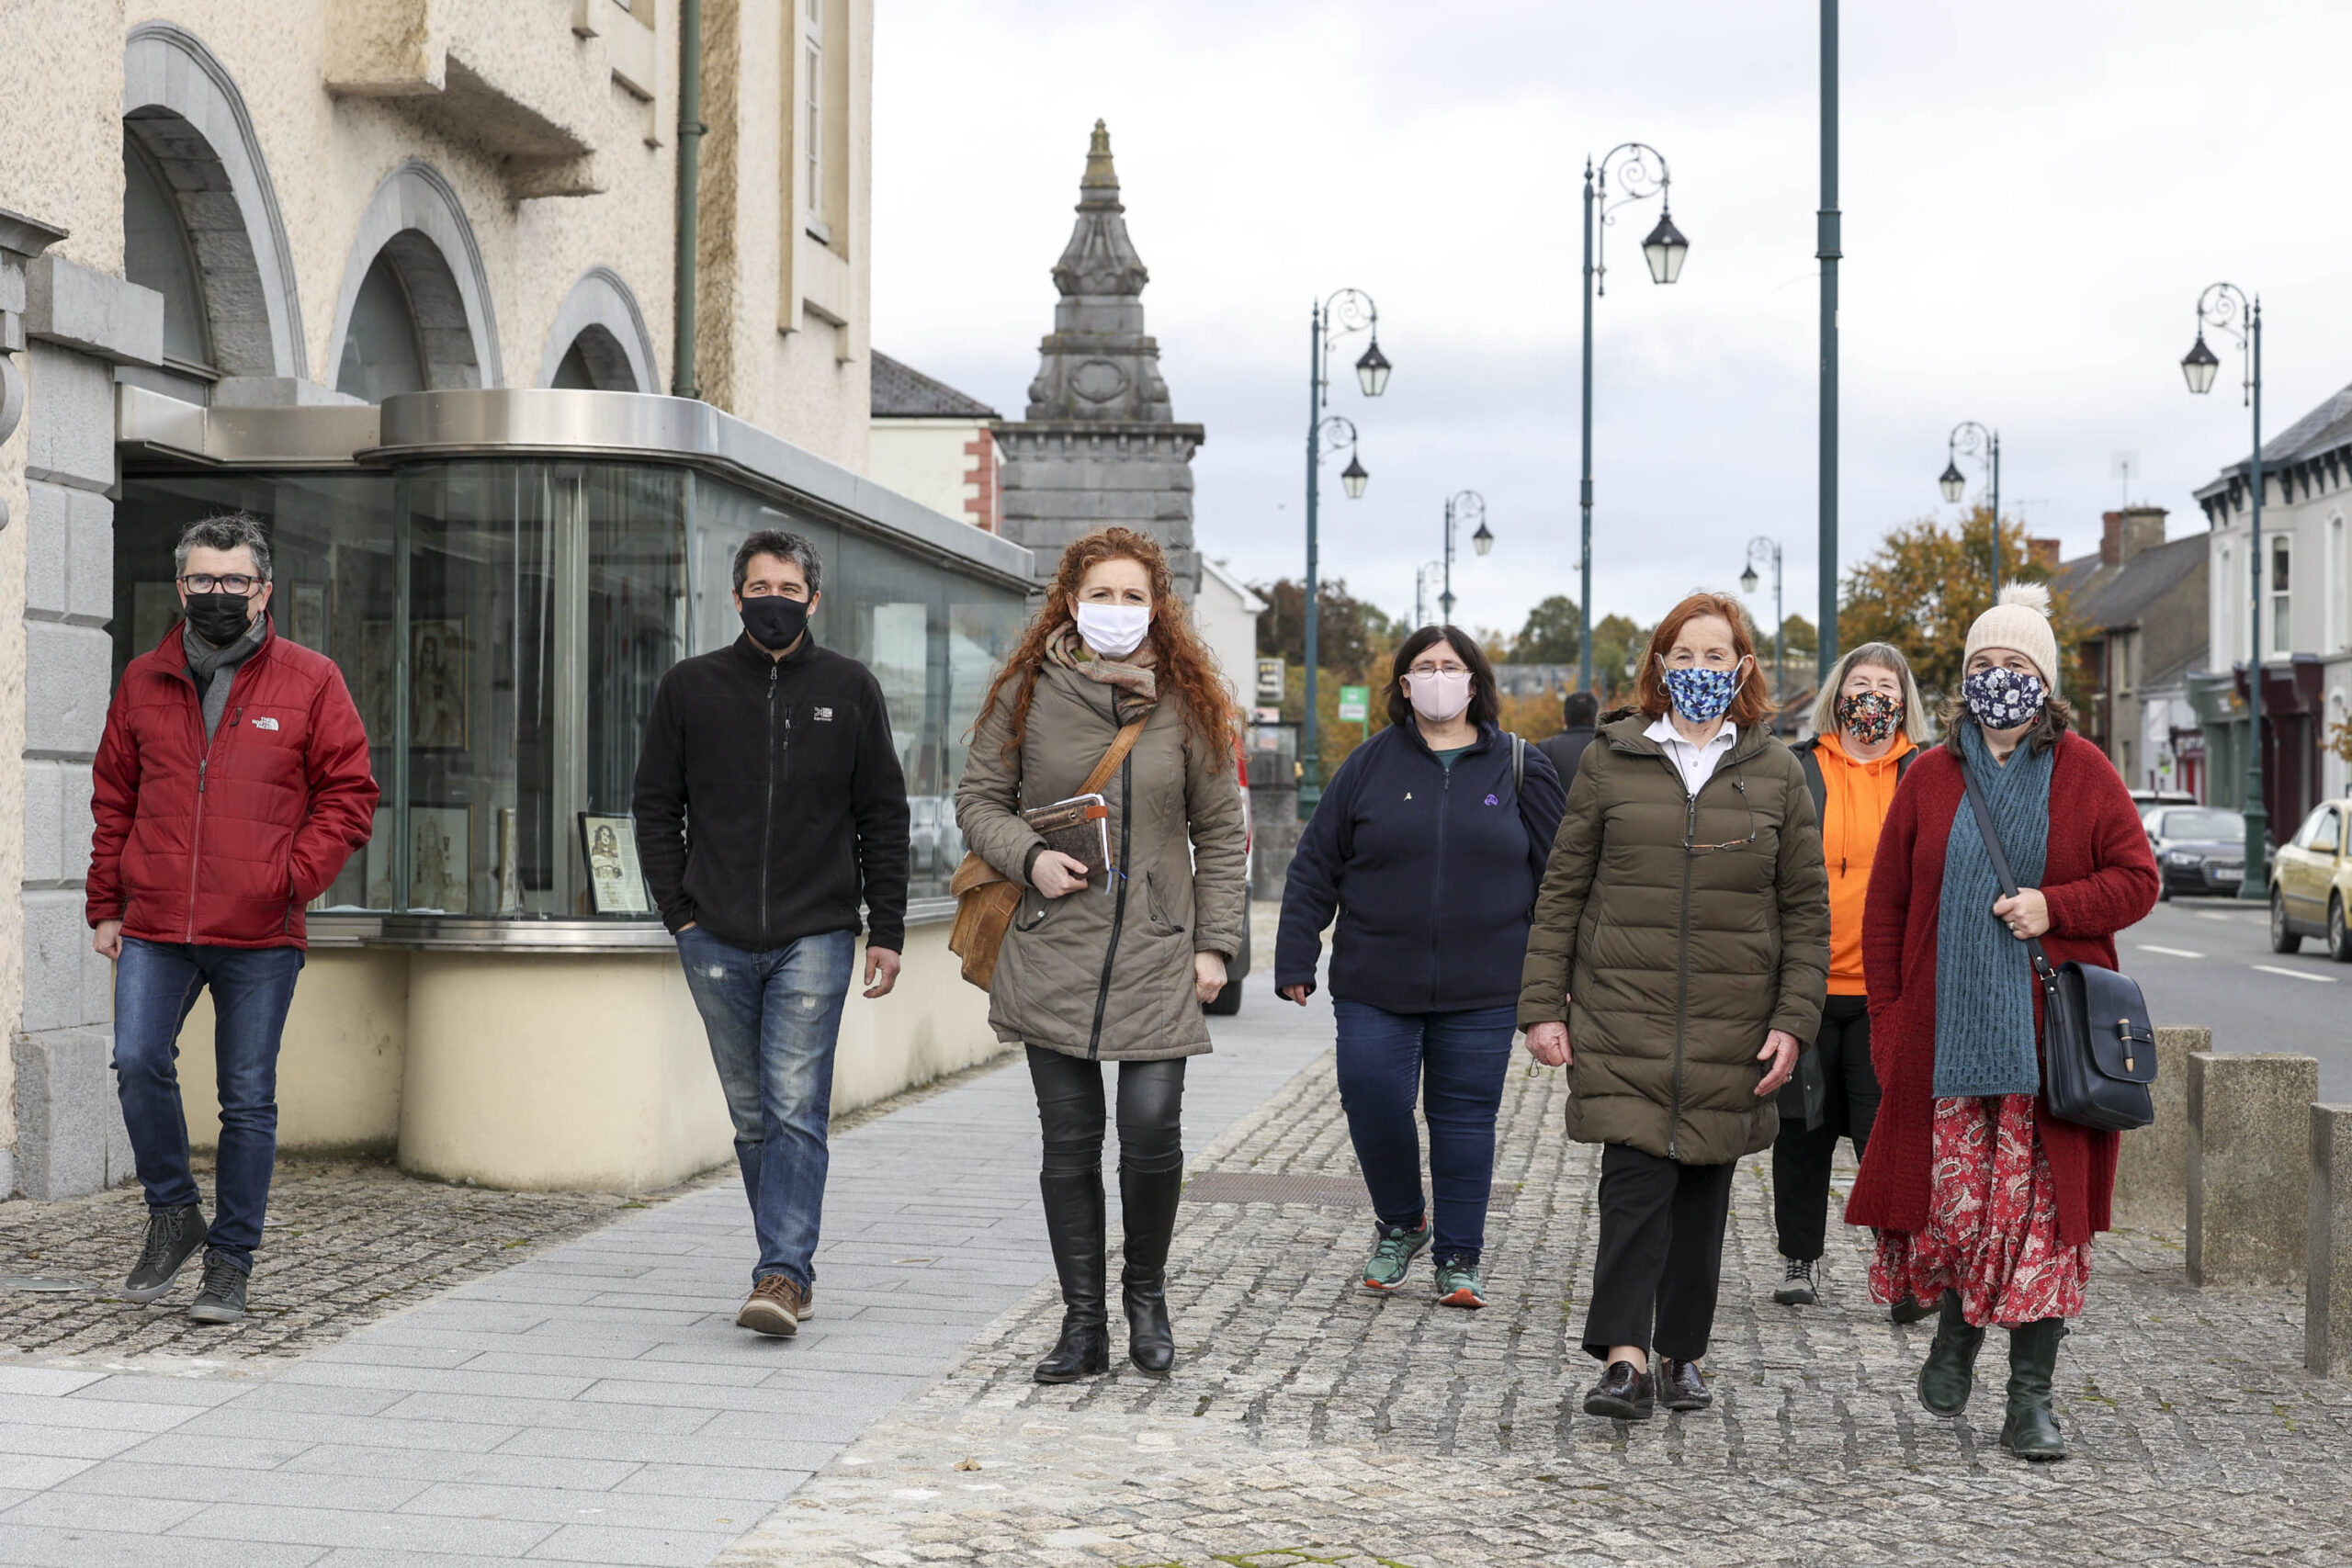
(1869, 717)
(2003, 699)
(1701, 695)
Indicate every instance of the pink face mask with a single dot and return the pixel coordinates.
(1439, 697)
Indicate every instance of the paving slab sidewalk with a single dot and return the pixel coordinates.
(592, 1403)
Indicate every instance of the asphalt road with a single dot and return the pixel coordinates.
(2208, 962)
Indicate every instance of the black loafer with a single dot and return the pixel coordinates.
(1680, 1386)
(1622, 1394)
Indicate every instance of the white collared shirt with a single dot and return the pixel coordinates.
(1696, 763)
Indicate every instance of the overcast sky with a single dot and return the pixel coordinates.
(2035, 195)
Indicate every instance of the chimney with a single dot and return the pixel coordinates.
(2110, 539)
(2144, 529)
(2044, 553)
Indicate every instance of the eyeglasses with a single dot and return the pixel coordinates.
(762, 590)
(1438, 669)
(235, 583)
(1739, 782)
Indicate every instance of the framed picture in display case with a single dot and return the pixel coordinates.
(615, 882)
(437, 717)
(307, 623)
(440, 846)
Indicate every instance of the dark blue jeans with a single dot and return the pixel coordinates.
(1453, 1063)
(773, 1019)
(155, 984)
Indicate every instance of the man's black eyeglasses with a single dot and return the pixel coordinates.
(235, 583)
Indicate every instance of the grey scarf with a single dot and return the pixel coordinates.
(1984, 979)
(214, 669)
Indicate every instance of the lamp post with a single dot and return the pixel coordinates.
(1971, 440)
(1349, 311)
(1761, 549)
(1461, 505)
(1641, 173)
(1828, 249)
(2227, 307)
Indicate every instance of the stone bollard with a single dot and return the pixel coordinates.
(2152, 1166)
(2249, 1166)
(2327, 1300)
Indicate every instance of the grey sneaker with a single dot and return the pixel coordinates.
(1797, 1289)
(172, 1236)
(1391, 1254)
(222, 1298)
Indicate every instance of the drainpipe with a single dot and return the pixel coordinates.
(690, 134)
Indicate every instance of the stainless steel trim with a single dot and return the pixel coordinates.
(462, 934)
(321, 436)
(929, 911)
(339, 928)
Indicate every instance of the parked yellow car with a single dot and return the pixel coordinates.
(2311, 883)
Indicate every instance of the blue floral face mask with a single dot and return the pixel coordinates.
(1700, 694)
(2003, 699)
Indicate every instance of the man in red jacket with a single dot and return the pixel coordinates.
(230, 785)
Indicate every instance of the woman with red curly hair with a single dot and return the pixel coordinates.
(1111, 964)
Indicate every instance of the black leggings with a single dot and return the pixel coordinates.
(1801, 1159)
(1071, 1112)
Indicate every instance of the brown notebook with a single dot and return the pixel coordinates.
(1079, 827)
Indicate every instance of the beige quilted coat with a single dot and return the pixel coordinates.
(1106, 972)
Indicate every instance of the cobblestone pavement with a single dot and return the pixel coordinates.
(1307, 1422)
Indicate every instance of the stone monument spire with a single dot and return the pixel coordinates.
(1101, 443)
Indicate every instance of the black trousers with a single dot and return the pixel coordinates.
(1070, 1113)
(1661, 1254)
(1801, 1159)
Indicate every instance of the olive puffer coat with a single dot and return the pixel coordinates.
(1106, 972)
(1673, 931)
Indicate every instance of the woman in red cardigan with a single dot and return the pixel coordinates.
(1984, 1204)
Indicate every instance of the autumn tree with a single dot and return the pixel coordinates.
(1617, 642)
(1553, 634)
(1352, 638)
(1927, 583)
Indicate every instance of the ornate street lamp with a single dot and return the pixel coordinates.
(1353, 478)
(1349, 311)
(1763, 549)
(1954, 482)
(1484, 539)
(1371, 370)
(1641, 173)
(1460, 505)
(1971, 440)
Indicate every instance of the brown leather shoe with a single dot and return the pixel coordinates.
(775, 1306)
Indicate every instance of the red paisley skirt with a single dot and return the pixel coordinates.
(1992, 1232)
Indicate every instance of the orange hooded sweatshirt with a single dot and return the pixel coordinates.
(1857, 796)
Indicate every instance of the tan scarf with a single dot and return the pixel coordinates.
(1137, 687)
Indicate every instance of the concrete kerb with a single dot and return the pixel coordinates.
(2249, 1166)
(2152, 1164)
(2327, 1288)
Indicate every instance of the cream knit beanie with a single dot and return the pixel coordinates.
(2020, 621)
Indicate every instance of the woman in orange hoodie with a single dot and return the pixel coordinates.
(1867, 726)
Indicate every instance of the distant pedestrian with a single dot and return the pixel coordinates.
(769, 804)
(1111, 965)
(1580, 719)
(1984, 1204)
(1428, 845)
(1866, 727)
(1679, 950)
(231, 784)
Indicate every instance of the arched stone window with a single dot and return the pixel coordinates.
(156, 254)
(382, 355)
(415, 312)
(598, 341)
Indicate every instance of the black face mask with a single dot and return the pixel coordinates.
(775, 622)
(220, 619)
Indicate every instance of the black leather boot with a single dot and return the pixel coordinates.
(1147, 1208)
(1949, 1375)
(2030, 1430)
(1074, 1224)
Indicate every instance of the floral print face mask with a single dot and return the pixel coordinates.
(1869, 717)
(1701, 695)
(2004, 699)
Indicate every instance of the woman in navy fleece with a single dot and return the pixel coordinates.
(1430, 844)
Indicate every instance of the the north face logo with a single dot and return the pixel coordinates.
(265, 724)
(824, 716)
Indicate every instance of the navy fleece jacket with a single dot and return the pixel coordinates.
(1433, 873)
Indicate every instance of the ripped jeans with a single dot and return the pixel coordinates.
(773, 1017)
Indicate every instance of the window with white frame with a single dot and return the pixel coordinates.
(2282, 627)
(812, 129)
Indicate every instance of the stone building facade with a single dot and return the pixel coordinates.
(1100, 443)
(2142, 604)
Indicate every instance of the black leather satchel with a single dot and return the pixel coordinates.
(2098, 1050)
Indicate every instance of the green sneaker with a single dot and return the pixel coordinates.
(1392, 1252)
(1458, 1284)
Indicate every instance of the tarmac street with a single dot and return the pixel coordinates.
(2208, 961)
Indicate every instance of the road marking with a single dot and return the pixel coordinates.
(2293, 974)
(2168, 951)
(2211, 915)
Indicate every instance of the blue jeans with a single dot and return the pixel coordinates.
(1453, 1061)
(155, 985)
(773, 1019)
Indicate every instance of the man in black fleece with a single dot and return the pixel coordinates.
(768, 802)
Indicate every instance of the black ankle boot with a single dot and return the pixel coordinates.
(1074, 1224)
(2030, 1430)
(1147, 1208)
(1949, 1375)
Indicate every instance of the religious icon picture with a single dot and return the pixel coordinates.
(615, 882)
(308, 627)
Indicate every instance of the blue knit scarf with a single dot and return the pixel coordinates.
(1984, 977)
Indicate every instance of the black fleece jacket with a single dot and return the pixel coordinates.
(769, 799)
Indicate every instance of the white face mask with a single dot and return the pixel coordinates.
(1113, 630)
(1439, 697)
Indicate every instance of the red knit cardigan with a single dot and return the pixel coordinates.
(2098, 878)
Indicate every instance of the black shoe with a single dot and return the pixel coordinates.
(172, 1236)
(1622, 1394)
(1147, 1209)
(1074, 1224)
(1796, 1286)
(222, 1298)
(1948, 1375)
(2030, 1430)
(1908, 1310)
(1680, 1386)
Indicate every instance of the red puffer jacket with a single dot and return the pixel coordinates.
(221, 845)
